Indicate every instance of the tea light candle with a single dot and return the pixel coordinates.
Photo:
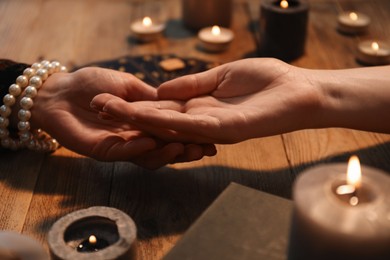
(373, 53)
(353, 22)
(283, 26)
(16, 246)
(215, 39)
(335, 218)
(93, 233)
(146, 30)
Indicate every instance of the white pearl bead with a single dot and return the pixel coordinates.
(56, 66)
(25, 136)
(4, 122)
(3, 133)
(5, 111)
(54, 145)
(43, 73)
(29, 72)
(36, 65)
(23, 126)
(9, 100)
(6, 142)
(24, 115)
(30, 92)
(36, 81)
(31, 144)
(26, 103)
(49, 68)
(44, 62)
(22, 81)
(63, 69)
(15, 90)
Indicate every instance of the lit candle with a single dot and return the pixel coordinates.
(341, 218)
(93, 233)
(215, 39)
(353, 22)
(16, 246)
(283, 25)
(146, 30)
(373, 53)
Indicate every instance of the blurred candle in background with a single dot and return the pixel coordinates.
(283, 25)
(373, 53)
(353, 22)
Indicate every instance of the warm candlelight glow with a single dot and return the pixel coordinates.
(92, 239)
(284, 4)
(354, 173)
(147, 21)
(375, 46)
(216, 30)
(353, 16)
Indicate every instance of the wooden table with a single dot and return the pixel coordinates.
(37, 189)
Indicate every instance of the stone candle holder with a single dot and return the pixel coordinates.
(113, 231)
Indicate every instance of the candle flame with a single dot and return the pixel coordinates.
(354, 173)
(284, 4)
(92, 239)
(215, 30)
(147, 21)
(375, 46)
(353, 16)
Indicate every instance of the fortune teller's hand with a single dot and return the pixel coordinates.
(258, 97)
(62, 109)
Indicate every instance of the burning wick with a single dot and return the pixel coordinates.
(375, 47)
(215, 30)
(147, 21)
(353, 16)
(354, 177)
(284, 4)
(92, 244)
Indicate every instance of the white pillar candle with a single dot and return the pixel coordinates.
(353, 22)
(146, 29)
(373, 53)
(215, 38)
(337, 219)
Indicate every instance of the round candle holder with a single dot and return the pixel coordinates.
(215, 42)
(373, 53)
(113, 232)
(353, 22)
(325, 226)
(148, 20)
(283, 29)
(146, 31)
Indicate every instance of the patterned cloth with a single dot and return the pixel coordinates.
(149, 68)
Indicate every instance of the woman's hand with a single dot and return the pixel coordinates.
(62, 109)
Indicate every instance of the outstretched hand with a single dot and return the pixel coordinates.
(62, 108)
(228, 104)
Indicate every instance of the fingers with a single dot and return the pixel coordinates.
(190, 86)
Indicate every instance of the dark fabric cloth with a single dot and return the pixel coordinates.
(9, 71)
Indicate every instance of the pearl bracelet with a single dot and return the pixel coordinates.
(29, 83)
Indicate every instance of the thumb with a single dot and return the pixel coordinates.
(190, 86)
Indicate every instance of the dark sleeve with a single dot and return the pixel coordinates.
(9, 71)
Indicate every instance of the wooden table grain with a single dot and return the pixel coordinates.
(37, 189)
